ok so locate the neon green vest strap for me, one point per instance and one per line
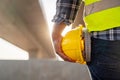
(103, 19)
(87, 2)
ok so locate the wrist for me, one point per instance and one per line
(57, 30)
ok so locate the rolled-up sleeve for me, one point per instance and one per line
(66, 11)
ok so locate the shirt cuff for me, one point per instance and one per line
(61, 18)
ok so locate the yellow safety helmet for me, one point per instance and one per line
(73, 45)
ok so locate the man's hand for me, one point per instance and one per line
(57, 38)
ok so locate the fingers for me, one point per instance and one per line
(65, 57)
(58, 48)
(57, 39)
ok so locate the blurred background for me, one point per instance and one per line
(25, 28)
(26, 49)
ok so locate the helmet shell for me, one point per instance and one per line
(73, 45)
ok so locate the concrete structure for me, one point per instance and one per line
(22, 23)
(42, 70)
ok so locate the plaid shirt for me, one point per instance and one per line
(66, 12)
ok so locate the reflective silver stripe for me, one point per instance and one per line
(87, 39)
(101, 5)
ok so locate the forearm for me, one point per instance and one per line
(57, 30)
(65, 15)
(57, 38)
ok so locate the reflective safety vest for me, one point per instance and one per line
(102, 14)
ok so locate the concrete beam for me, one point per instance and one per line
(42, 70)
(22, 23)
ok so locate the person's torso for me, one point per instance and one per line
(102, 18)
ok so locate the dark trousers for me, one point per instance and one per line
(105, 60)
